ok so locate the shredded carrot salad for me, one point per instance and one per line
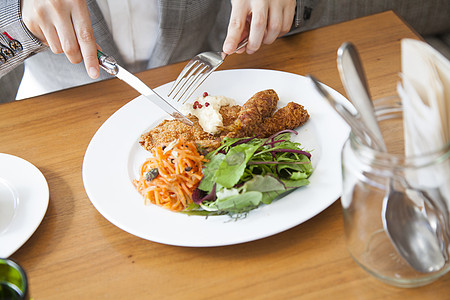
(170, 175)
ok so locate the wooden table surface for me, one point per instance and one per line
(77, 254)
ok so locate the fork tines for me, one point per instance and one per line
(190, 79)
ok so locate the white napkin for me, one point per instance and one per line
(425, 94)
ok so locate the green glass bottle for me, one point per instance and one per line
(13, 281)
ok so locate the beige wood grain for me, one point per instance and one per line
(77, 254)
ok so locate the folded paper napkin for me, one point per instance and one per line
(425, 93)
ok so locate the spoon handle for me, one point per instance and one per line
(355, 84)
(366, 136)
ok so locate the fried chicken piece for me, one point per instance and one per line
(291, 116)
(170, 130)
(260, 106)
(255, 118)
(229, 114)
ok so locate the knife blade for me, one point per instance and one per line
(109, 64)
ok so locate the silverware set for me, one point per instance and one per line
(422, 239)
(190, 78)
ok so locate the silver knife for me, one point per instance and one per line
(109, 64)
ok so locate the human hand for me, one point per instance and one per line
(65, 26)
(261, 20)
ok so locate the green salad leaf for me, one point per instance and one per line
(233, 166)
(244, 173)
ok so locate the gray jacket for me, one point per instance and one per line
(188, 27)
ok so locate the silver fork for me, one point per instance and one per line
(196, 71)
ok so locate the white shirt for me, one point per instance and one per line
(134, 26)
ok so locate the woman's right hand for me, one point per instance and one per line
(261, 20)
(65, 26)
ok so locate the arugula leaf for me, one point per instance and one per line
(240, 203)
(270, 187)
(234, 164)
(209, 173)
(264, 184)
(295, 171)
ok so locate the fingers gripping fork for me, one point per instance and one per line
(196, 72)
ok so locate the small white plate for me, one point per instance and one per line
(24, 197)
(114, 155)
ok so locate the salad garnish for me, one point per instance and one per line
(244, 173)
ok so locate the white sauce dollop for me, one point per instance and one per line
(207, 111)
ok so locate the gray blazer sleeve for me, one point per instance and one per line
(17, 42)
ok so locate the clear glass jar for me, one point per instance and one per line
(366, 176)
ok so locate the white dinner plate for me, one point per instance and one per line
(114, 155)
(24, 197)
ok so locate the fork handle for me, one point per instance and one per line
(241, 45)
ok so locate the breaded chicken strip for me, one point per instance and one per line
(260, 106)
(255, 118)
(170, 130)
(291, 116)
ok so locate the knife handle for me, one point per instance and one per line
(107, 63)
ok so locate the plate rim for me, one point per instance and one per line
(36, 208)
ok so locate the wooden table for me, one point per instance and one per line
(77, 254)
